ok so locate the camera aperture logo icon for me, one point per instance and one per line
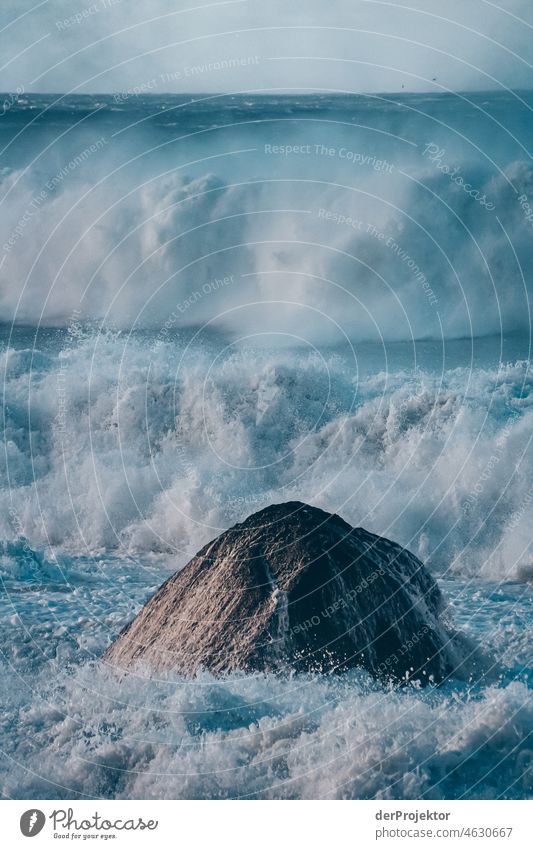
(32, 822)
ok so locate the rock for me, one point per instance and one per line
(293, 587)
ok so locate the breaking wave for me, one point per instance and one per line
(407, 218)
(121, 444)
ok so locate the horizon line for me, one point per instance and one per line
(261, 92)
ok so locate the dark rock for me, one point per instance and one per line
(294, 587)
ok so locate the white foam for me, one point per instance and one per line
(153, 455)
(264, 737)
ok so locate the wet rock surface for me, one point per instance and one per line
(294, 588)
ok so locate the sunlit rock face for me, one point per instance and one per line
(294, 588)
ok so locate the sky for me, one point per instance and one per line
(248, 45)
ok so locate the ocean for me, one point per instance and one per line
(217, 303)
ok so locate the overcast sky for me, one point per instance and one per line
(241, 45)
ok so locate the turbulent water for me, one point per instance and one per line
(210, 307)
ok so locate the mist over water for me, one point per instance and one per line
(213, 304)
(379, 217)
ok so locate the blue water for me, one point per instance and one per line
(183, 344)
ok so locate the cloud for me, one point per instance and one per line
(236, 45)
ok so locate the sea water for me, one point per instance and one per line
(196, 327)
